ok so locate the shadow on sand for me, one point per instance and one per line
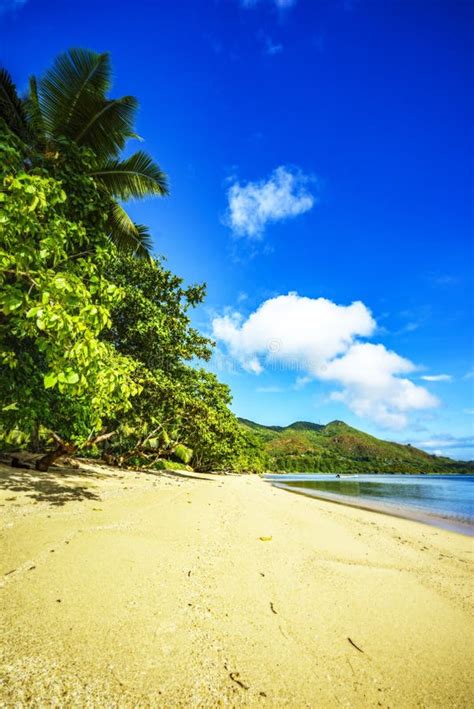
(57, 487)
(62, 484)
(178, 474)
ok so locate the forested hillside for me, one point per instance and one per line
(339, 448)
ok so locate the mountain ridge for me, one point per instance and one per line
(304, 446)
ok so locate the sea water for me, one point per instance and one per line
(444, 500)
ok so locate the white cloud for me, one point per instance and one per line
(253, 365)
(460, 447)
(304, 333)
(373, 387)
(447, 441)
(269, 390)
(252, 206)
(433, 442)
(319, 339)
(302, 382)
(437, 377)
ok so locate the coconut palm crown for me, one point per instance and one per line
(71, 102)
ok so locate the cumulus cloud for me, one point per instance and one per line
(373, 387)
(437, 377)
(284, 194)
(304, 333)
(320, 340)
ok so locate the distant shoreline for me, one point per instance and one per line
(352, 475)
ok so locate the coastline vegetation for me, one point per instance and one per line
(97, 349)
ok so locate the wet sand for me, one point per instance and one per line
(140, 589)
(385, 507)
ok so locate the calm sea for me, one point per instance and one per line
(444, 500)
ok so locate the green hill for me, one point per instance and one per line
(339, 448)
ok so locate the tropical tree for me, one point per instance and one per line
(60, 380)
(70, 104)
(96, 346)
(182, 410)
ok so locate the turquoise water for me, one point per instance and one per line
(443, 500)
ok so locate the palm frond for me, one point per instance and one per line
(145, 242)
(128, 236)
(109, 125)
(76, 78)
(33, 111)
(12, 108)
(134, 178)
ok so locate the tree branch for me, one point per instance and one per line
(99, 438)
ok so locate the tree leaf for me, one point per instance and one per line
(49, 380)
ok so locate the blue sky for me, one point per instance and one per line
(320, 155)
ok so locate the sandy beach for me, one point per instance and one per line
(140, 589)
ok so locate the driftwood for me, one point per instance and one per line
(63, 448)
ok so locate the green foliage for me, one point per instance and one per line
(163, 464)
(249, 454)
(182, 453)
(57, 372)
(180, 407)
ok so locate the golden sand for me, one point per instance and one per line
(139, 589)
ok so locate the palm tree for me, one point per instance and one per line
(71, 101)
